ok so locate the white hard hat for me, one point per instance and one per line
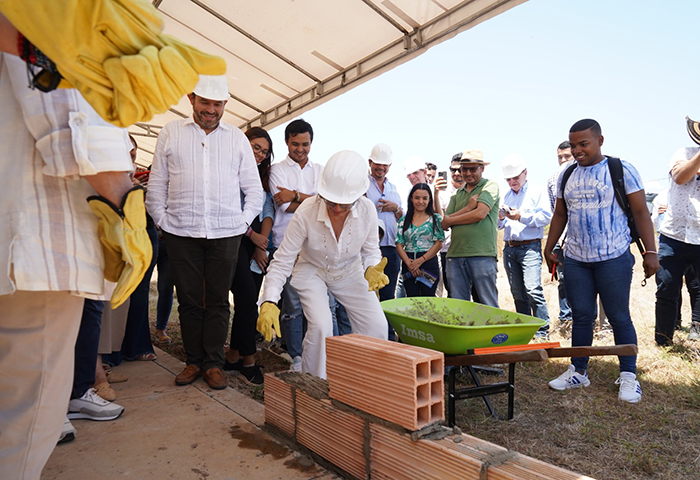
(212, 87)
(344, 178)
(413, 164)
(513, 165)
(381, 153)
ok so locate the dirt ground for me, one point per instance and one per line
(589, 431)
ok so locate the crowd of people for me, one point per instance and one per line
(215, 216)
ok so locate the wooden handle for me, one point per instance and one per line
(491, 358)
(592, 351)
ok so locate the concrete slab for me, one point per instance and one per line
(167, 431)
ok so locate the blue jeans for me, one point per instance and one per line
(674, 257)
(480, 272)
(165, 287)
(523, 266)
(564, 308)
(611, 279)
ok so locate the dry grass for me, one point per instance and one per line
(588, 431)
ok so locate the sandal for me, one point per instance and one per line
(163, 338)
(105, 391)
(146, 357)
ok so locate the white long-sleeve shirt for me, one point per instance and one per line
(287, 174)
(310, 236)
(48, 234)
(533, 203)
(196, 180)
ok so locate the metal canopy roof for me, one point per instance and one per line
(285, 57)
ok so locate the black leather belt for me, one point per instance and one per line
(521, 243)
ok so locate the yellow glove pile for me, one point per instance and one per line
(268, 319)
(114, 53)
(125, 243)
(375, 276)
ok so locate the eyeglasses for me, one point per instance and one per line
(471, 169)
(344, 206)
(455, 170)
(258, 149)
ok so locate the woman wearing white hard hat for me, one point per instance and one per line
(335, 237)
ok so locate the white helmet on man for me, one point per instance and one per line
(212, 87)
(344, 178)
(513, 165)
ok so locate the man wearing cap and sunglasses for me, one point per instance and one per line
(200, 168)
(473, 215)
(523, 217)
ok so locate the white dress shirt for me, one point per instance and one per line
(48, 234)
(535, 214)
(288, 174)
(196, 181)
(310, 237)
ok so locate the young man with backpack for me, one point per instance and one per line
(598, 256)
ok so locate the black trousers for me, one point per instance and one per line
(202, 270)
(245, 289)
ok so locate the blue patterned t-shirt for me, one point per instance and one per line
(597, 226)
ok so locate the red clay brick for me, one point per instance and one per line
(335, 435)
(399, 383)
(279, 404)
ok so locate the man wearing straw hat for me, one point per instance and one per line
(473, 215)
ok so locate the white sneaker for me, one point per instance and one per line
(296, 365)
(93, 407)
(67, 433)
(570, 379)
(630, 390)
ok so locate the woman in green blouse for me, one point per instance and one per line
(418, 240)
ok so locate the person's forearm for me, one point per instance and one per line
(642, 219)
(556, 228)
(111, 185)
(433, 250)
(266, 227)
(468, 218)
(402, 253)
(683, 172)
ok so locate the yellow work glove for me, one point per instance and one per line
(114, 53)
(125, 243)
(375, 276)
(268, 319)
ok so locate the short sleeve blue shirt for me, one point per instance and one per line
(597, 226)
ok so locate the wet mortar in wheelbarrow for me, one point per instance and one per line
(456, 326)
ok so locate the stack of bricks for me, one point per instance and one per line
(361, 420)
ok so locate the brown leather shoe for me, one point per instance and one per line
(188, 375)
(216, 378)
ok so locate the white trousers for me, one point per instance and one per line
(350, 288)
(37, 344)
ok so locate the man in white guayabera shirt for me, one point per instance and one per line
(200, 167)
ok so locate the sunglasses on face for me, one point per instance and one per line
(455, 170)
(471, 169)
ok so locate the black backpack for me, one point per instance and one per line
(618, 179)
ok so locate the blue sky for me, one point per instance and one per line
(516, 83)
